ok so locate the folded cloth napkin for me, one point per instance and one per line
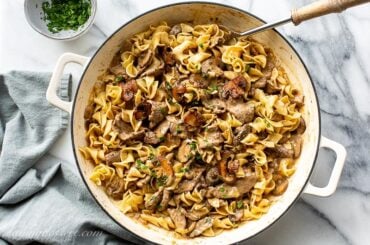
(42, 199)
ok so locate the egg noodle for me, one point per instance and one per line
(193, 131)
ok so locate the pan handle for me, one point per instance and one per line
(330, 188)
(51, 93)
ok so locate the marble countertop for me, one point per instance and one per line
(336, 51)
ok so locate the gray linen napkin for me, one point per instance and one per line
(42, 199)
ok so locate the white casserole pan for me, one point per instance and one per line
(236, 19)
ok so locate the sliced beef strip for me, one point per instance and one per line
(217, 105)
(245, 184)
(132, 136)
(154, 200)
(188, 185)
(234, 88)
(114, 156)
(158, 113)
(168, 56)
(240, 133)
(115, 188)
(201, 226)
(198, 81)
(151, 138)
(178, 217)
(165, 199)
(242, 111)
(211, 67)
(281, 151)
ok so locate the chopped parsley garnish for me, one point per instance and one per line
(161, 139)
(151, 156)
(201, 45)
(247, 66)
(184, 170)
(118, 79)
(66, 14)
(153, 173)
(240, 204)
(222, 189)
(168, 86)
(212, 88)
(198, 157)
(193, 145)
(178, 130)
(161, 181)
(140, 165)
(163, 110)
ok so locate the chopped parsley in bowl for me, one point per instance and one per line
(60, 19)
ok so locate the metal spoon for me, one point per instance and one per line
(310, 11)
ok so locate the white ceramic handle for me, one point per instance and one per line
(51, 93)
(330, 188)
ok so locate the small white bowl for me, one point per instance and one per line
(35, 17)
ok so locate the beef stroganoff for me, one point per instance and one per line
(192, 131)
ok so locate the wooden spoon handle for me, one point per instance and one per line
(322, 7)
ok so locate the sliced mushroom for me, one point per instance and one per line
(184, 152)
(168, 56)
(281, 187)
(166, 166)
(302, 126)
(144, 59)
(155, 68)
(176, 29)
(210, 67)
(298, 98)
(129, 90)
(142, 110)
(242, 111)
(178, 217)
(233, 166)
(178, 92)
(114, 156)
(201, 226)
(296, 142)
(193, 118)
(237, 215)
(234, 88)
(212, 176)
